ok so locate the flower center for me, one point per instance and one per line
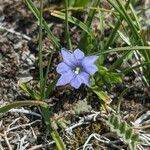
(77, 70)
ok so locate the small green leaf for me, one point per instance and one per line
(116, 122)
(128, 134)
(109, 77)
(123, 127)
(135, 137)
(111, 118)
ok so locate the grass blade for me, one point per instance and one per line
(112, 36)
(67, 26)
(73, 20)
(7, 107)
(36, 13)
(119, 49)
(88, 22)
(40, 49)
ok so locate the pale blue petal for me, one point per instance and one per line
(62, 68)
(68, 58)
(91, 69)
(88, 64)
(78, 54)
(65, 78)
(90, 60)
(76, 82)
(85, 77)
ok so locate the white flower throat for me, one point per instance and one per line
(77, 70)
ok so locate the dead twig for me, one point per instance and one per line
(24, 111)
(102, 140)
(37, 147)
(23, 125)
(7, 141)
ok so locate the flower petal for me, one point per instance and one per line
(68, 58)
(88, 64)
(85, 77)
(62, 68)
(90, 59)
(91, 69)
(65, 78)
(78, 54)
(76, 82)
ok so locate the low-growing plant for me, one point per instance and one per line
(123, 130)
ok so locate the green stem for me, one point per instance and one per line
(40, 47)
(46, 77)
(67, 26)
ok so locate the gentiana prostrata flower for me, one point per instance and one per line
(76, 68)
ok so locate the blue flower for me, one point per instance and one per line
(75, 68)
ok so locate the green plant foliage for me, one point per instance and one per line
(78, 3)
(28, 91)
(50, 88)
(102, 78)
(103, 97)
(73, 20)
(90, 43)
(36, 12)
(123, 130)
(134, 30)
(105, 77)
(84, 40)
(7, 107)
